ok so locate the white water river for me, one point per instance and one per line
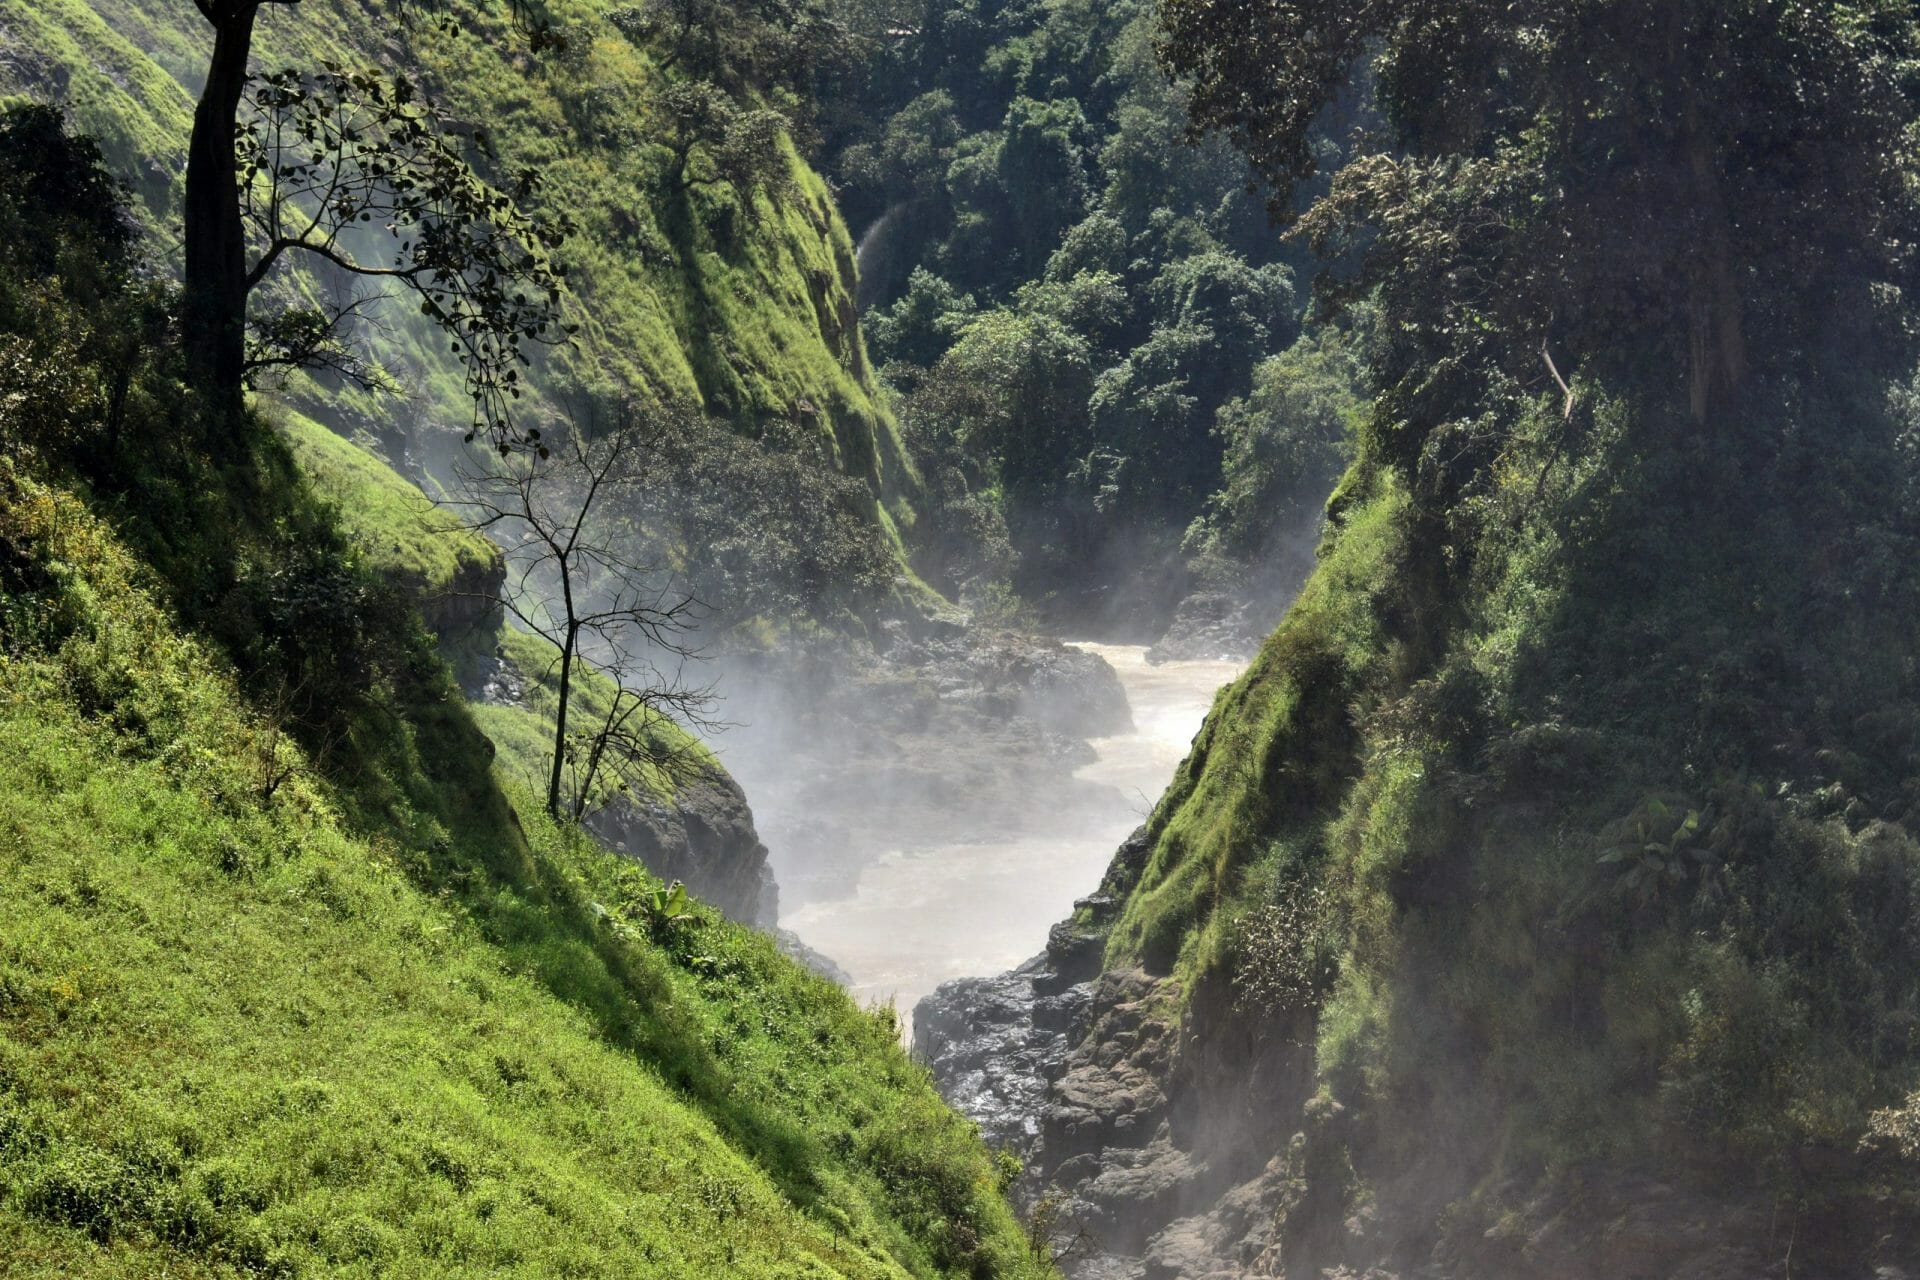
(977, 906)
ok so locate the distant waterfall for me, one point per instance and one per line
(873, 253)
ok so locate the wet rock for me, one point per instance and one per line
(1216, 625)
(1123, 871)
(793, 948)
(1073, 955)
(1110, 1092)
(1185, 1251)
(1138, 1186)
(995, 1043)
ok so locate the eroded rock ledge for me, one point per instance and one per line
(849, 755)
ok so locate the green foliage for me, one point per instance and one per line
(323, 151)
(1033, 194)
(667, 906)
(682, 298)
(1286, 720)
(1659, 845)
(422, 1049)
(744, 148)
(522, 734)
(1457, 805)
(77, 325)
(1504, 212)
(292, 981)
(1284, 444)
(745, 47)
(921, 324)
(769, 529)
(402, 534)
(61, 209)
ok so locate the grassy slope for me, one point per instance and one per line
(424, 548)
(682, 297)
(404, 534)
(524, 734)
(390, 1029)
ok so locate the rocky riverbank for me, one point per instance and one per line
(1198, 1147)
(1074, 1069)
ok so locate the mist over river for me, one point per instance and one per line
(982, 899)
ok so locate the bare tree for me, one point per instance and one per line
(572, 581)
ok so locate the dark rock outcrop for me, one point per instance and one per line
(793, 948)
(995, 1045)
(1090, 1077)
(467, 604)
(1212, 625)
(1003, 674)
(704, 838)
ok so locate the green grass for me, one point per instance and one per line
(405, 536)
(114, 91)
(523, 734)
(426, 550)
(1273, 752)
(385, 1020)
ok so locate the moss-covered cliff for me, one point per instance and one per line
(1541, 900)
(739, 303)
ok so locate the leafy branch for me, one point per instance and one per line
(327, 159)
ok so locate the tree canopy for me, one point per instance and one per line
(1691, 191)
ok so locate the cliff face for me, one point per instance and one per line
(704, 837)
(1537, 904)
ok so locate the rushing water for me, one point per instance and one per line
(924, 915)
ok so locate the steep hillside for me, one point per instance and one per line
(739, 303)
(256, 1020)
(295, 976)
(694, 826)
(1541, 902)
(1554, 919)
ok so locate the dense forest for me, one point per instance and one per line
(1093, 330)
(1541, 901)
(425, 425)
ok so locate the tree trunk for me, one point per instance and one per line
(1717, 342)
(560, 722)
(214, 308)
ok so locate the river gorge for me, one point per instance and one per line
(980, 899)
